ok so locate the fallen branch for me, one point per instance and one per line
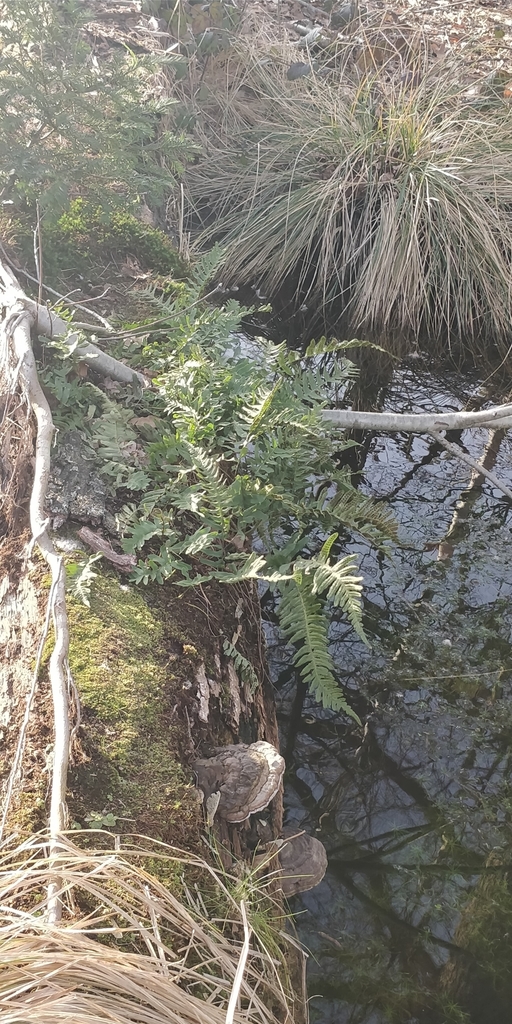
(18, 352)
(52, 326)
(71, 302)
(125, 563)
(476, 465)
(419, 423)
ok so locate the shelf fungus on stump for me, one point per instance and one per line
(302, 862)
(239, 780)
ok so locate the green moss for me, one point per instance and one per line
(131, 775)
(87, 239)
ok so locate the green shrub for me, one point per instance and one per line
(86, 237)
(72, 123)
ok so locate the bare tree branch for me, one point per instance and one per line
(419, 423)
(477, 465)
(18, 350)
(52, 326)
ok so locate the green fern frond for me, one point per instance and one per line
(256, 414)
(304, 625)
(81, 576)
(216, 488)
(341, 586)
(323, 347)
(164, 304)
(368, 517)
(242, 665)
(204, 270)
(248, 570)
(325, 550)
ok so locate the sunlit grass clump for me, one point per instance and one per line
(385, 198)
(129, 949)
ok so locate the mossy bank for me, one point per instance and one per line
(129, 677)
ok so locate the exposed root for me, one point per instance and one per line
(17, 345)
(52, 326)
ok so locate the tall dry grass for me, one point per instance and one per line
(128, 950)
(384, 194)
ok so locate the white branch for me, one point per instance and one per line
(20, 336)
(52, 326)
(18, 351)
(419, 423)
(476, 465)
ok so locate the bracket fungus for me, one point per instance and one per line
(239, 780)
(302, 862)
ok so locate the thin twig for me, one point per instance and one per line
(146, 328)
(38, 255)
(71, 302)
(470, 461)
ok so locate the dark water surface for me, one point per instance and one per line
(416, 812)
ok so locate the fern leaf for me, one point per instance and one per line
(325, 550)
(343, 588)
(216, 488)
(368, 517)
(304, 625)
(81, 577)
(257, 414)
(323, 347)
(242, 665)
(205, 269)
(249, 570)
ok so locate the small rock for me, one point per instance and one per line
(298, 70)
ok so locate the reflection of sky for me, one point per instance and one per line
(435, 776)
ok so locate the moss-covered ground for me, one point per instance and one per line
(130, 675)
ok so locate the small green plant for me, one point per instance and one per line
(80, 576)
(242, 665)
(232, 453)
(69, 122)
(86, 237)
(101, 819)
(245, 456)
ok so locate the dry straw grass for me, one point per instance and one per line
(128, 950)
(385, 193)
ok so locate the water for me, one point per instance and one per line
(412, 809)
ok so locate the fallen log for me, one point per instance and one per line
(421, 422)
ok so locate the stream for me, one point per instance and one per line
(416, 810)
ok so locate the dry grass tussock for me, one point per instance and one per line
(383, 192)
(128, 950)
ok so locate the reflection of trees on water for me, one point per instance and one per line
(411, 809)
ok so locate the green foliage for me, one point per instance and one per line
(245, 456)
(383, 197)
(69, 121)
(80, 577)
(242, 665)
(87, 237)
(202, 29)
(304, 625)
(232, 450)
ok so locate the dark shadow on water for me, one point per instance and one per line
(413, 922)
